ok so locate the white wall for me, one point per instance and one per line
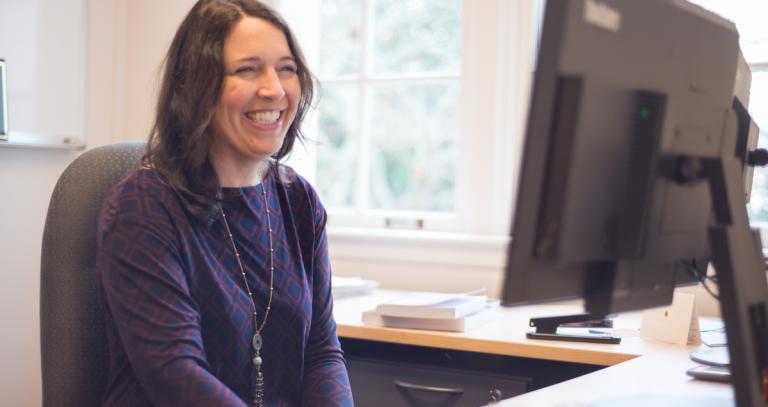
(147, 28)
(27, 178)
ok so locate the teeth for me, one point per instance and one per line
(263, 117)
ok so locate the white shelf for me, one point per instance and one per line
(42, 141)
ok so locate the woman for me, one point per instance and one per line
(212, 260)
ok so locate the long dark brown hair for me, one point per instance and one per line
(193, 76)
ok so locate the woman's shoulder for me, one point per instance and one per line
(140, 180)
(142, 188)
(292, 179)
(141, 199)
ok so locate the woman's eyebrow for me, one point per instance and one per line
(256, 59)
(249, 59)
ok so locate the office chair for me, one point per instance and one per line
(73, 338)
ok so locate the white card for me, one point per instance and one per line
(677, 323)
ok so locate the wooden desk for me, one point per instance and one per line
(636, 367)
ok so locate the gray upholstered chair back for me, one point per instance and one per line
(72, 334)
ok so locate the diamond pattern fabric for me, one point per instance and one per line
(178, 316)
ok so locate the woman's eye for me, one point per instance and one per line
(288, 68)
(245, 69)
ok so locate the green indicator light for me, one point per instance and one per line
(645, 113)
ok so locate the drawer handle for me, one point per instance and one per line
(443, 390)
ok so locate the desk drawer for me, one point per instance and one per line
(387, 384)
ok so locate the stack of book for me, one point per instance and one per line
(433, 311)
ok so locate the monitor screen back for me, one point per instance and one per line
(587, 170)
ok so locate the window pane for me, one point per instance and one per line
(749, 17)
(337, 150)
(416, 36)
(341, 33)
(758, 106)
(413, 146)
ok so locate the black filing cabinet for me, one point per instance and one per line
(380, 383)
(394, 375)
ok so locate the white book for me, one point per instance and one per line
(462, 324)
(432, 305)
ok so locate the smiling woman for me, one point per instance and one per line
(213, 259)
(198, 78)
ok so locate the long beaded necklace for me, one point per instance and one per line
(258, 389)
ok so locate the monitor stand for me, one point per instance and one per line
(546, 328)
(714, 364)
(738, 261)
(716, 356)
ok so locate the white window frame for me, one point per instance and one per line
(497, 44)
(762, 226)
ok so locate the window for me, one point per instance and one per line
(420, 112)
(748, 15)
(388, 120)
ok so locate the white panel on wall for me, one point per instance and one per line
(43, 43)
(149, 27)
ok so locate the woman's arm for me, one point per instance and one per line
(148, 298)
(325, 377)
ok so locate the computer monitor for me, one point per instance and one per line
(632, 169)
(618, 85)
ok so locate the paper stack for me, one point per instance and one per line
(343, 287)
(434, 311)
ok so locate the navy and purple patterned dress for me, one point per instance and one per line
(178, 317)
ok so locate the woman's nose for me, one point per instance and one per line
(269, 86)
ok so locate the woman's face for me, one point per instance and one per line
(259, 96)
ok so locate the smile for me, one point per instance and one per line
(264, 116)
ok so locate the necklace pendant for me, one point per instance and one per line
(258, 390)
(257, 342)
